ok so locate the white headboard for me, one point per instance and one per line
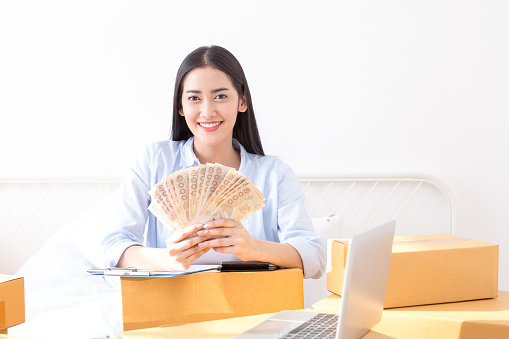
(418, 205)
(32, 211)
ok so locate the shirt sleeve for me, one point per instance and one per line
(294, 225)
(128, 227)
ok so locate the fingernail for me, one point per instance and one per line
(200, 232)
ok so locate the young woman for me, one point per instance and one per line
(214, 122)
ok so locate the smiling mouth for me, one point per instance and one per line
(210, 124)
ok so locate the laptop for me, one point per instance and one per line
(362, 297)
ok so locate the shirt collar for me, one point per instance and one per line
(189, 159)
(245, 161)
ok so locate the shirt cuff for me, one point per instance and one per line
(313, 256)
(115, 251)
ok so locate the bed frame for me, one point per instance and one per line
(31, 212)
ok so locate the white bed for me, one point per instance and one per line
(49, 234)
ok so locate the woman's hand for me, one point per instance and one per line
(180, 253)
(235, 239)
(183, 251)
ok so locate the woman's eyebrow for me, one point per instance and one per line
(219, 90)
(212, 91)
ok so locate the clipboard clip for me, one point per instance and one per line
(120, 271)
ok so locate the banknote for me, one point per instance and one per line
(202, 172)
(193, 188)
(181, 186)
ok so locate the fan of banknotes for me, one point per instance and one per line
(199, 194)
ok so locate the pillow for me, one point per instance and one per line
(87, 231)
(60, 297)
(329, 227)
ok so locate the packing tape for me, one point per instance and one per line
(3, 321)
(430, 241)
(418, 242)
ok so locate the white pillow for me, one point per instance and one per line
(329, 227)
(87, 231)
(60, 297)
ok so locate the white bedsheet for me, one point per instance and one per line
(61, 299)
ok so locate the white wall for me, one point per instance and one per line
(340, 88)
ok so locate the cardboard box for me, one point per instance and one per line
(428, 269)
(211, 295)
(217, 329)
(486, 318)
(12, 302)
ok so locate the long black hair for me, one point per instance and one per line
(245, 129)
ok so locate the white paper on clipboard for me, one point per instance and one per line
(135, 272)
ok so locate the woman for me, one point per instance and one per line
(214, 122)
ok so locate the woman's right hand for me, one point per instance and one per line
(183, 251)
(179, 254)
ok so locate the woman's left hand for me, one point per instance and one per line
(236, 240)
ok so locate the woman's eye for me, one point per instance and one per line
(221, 96)
(193, 98)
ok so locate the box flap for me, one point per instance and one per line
(12, 301)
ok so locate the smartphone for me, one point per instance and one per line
(245, 266)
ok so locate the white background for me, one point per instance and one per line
(340, 88)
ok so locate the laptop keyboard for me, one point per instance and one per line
(322, 325)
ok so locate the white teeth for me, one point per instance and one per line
(209, 125)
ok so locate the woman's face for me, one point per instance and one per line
(210, 105)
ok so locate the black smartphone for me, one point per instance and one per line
(245, 266)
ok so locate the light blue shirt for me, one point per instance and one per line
(283, 219)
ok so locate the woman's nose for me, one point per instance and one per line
(207, 109)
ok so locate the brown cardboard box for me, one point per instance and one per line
(211, 295)
(217, 329)
(12, 301)
(486, 318)
(428, 269)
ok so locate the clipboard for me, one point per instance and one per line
(137, 272)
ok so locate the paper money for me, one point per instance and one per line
(204, 193)
(193, 189)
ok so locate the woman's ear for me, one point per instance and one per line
(242, 104)
(181, 111)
